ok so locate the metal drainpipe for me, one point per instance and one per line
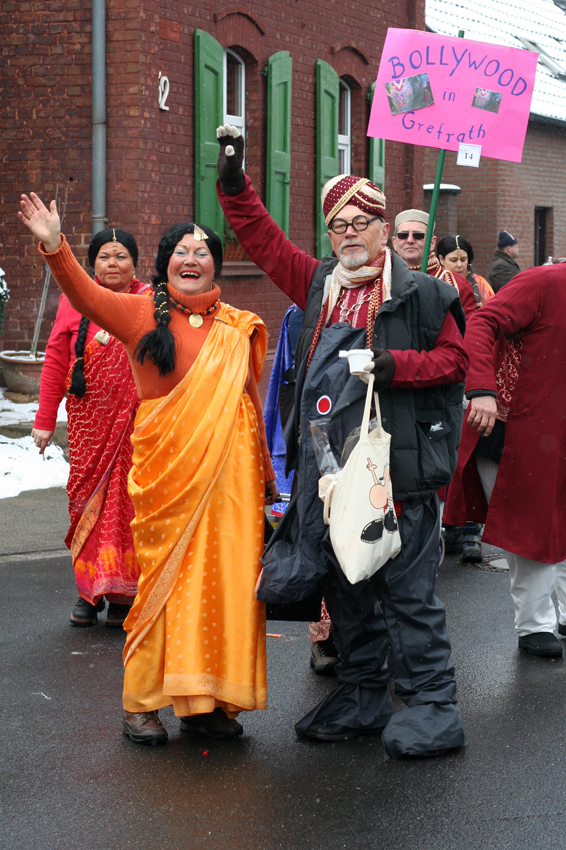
(98, 115)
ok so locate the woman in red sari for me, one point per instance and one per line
(92, 367)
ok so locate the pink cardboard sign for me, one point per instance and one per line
(439, 91)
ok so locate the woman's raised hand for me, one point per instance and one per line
(44, 223)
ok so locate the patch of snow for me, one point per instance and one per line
(12, 413)
(23, 468)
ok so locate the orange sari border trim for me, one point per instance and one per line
(205, 685)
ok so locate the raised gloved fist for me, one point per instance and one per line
(230, 159)
(383, 368)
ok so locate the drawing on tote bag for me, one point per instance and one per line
(381, 498)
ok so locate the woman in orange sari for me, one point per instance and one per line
(195, 634)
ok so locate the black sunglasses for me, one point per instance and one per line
(418, 236)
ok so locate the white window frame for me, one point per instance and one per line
(238, 121)
(345, 140)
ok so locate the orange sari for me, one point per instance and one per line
(196, 634)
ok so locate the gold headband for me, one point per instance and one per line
(199, 234)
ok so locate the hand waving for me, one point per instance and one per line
(44, 223)
(230, 159)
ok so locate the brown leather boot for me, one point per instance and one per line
(144, 727)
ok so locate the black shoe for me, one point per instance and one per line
(471, 546)
(144, 727)
(84, 614)
(562, 629)
(541, 643)
(215, 724)
(116, 614)
(431, 754)
(324, 657)
(453, 539)
(335, 732)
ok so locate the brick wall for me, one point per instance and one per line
(503, 195)
(45, 68)
(45, 76)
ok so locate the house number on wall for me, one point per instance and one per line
(163, 92)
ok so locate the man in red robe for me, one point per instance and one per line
(514, 477)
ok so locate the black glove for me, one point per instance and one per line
(384, 368)
(229, 165)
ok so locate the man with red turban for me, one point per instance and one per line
(365, 296)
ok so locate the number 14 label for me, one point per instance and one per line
(469, 155)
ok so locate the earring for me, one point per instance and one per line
(133, 275)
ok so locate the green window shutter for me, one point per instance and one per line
(327, 102)
(209, 82)
(278, 159)
(377, 157)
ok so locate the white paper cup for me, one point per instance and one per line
(357, 359)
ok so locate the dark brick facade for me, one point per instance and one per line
(45, 134)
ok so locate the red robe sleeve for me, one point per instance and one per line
(290, 268)
(514, 307)
(447, 363)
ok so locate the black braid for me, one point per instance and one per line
(78, 385)
(159, 345)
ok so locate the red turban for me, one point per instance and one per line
(348, 189)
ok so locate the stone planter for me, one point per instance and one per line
(21, 371)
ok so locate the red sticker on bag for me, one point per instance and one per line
(324, 405)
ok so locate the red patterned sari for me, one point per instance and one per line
(99, 426)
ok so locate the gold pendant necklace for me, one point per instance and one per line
(196, 320)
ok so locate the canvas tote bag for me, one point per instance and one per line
(358, 502)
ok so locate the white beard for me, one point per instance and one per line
(353, 261)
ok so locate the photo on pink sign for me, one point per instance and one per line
(486, 99)
(410, 93)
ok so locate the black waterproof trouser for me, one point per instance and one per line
(407, 623)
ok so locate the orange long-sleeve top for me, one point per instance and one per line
(129, 318)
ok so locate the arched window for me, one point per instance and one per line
(345, 129)
(235, 91)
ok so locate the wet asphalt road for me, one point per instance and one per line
(69, 779)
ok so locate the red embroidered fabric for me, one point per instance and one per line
(100, 425)
(508, 374)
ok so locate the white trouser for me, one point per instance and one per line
(532, 582)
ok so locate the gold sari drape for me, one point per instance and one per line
(195, 634)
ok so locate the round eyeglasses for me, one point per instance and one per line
(359, 223)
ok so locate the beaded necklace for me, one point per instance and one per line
(195, 318)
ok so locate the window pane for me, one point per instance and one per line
(233, 86)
